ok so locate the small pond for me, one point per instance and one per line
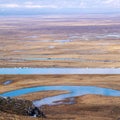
(7, 82)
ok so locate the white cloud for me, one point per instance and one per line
(9, 5)
(112, 3)
(83, 5)
(26, 5)
(38, 6)
(108, 1)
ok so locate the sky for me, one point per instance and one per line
(57, 6)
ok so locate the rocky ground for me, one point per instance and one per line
(88, 107)
(19, 107)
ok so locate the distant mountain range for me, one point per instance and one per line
(44, 11)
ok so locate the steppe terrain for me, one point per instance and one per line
(58, 41)
(92, 107)
(73, 41)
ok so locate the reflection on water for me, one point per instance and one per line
(59, 70)
(93, 36)
(7, 82)
(64, 59)
(73, 91)
(63, 41)
(33, 36)
(74, 59)
(110, 35)
(51, 47)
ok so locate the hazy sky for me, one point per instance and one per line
(98, 5)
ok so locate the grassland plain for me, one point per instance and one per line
(93, 107)
(81, 41)
(74, 41)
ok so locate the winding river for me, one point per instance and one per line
(73, 91)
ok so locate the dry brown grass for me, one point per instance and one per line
(18, 45)
(21, 81)
(7, 116)
(92, 107)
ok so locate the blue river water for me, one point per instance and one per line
(59, 70)
(73, 91)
